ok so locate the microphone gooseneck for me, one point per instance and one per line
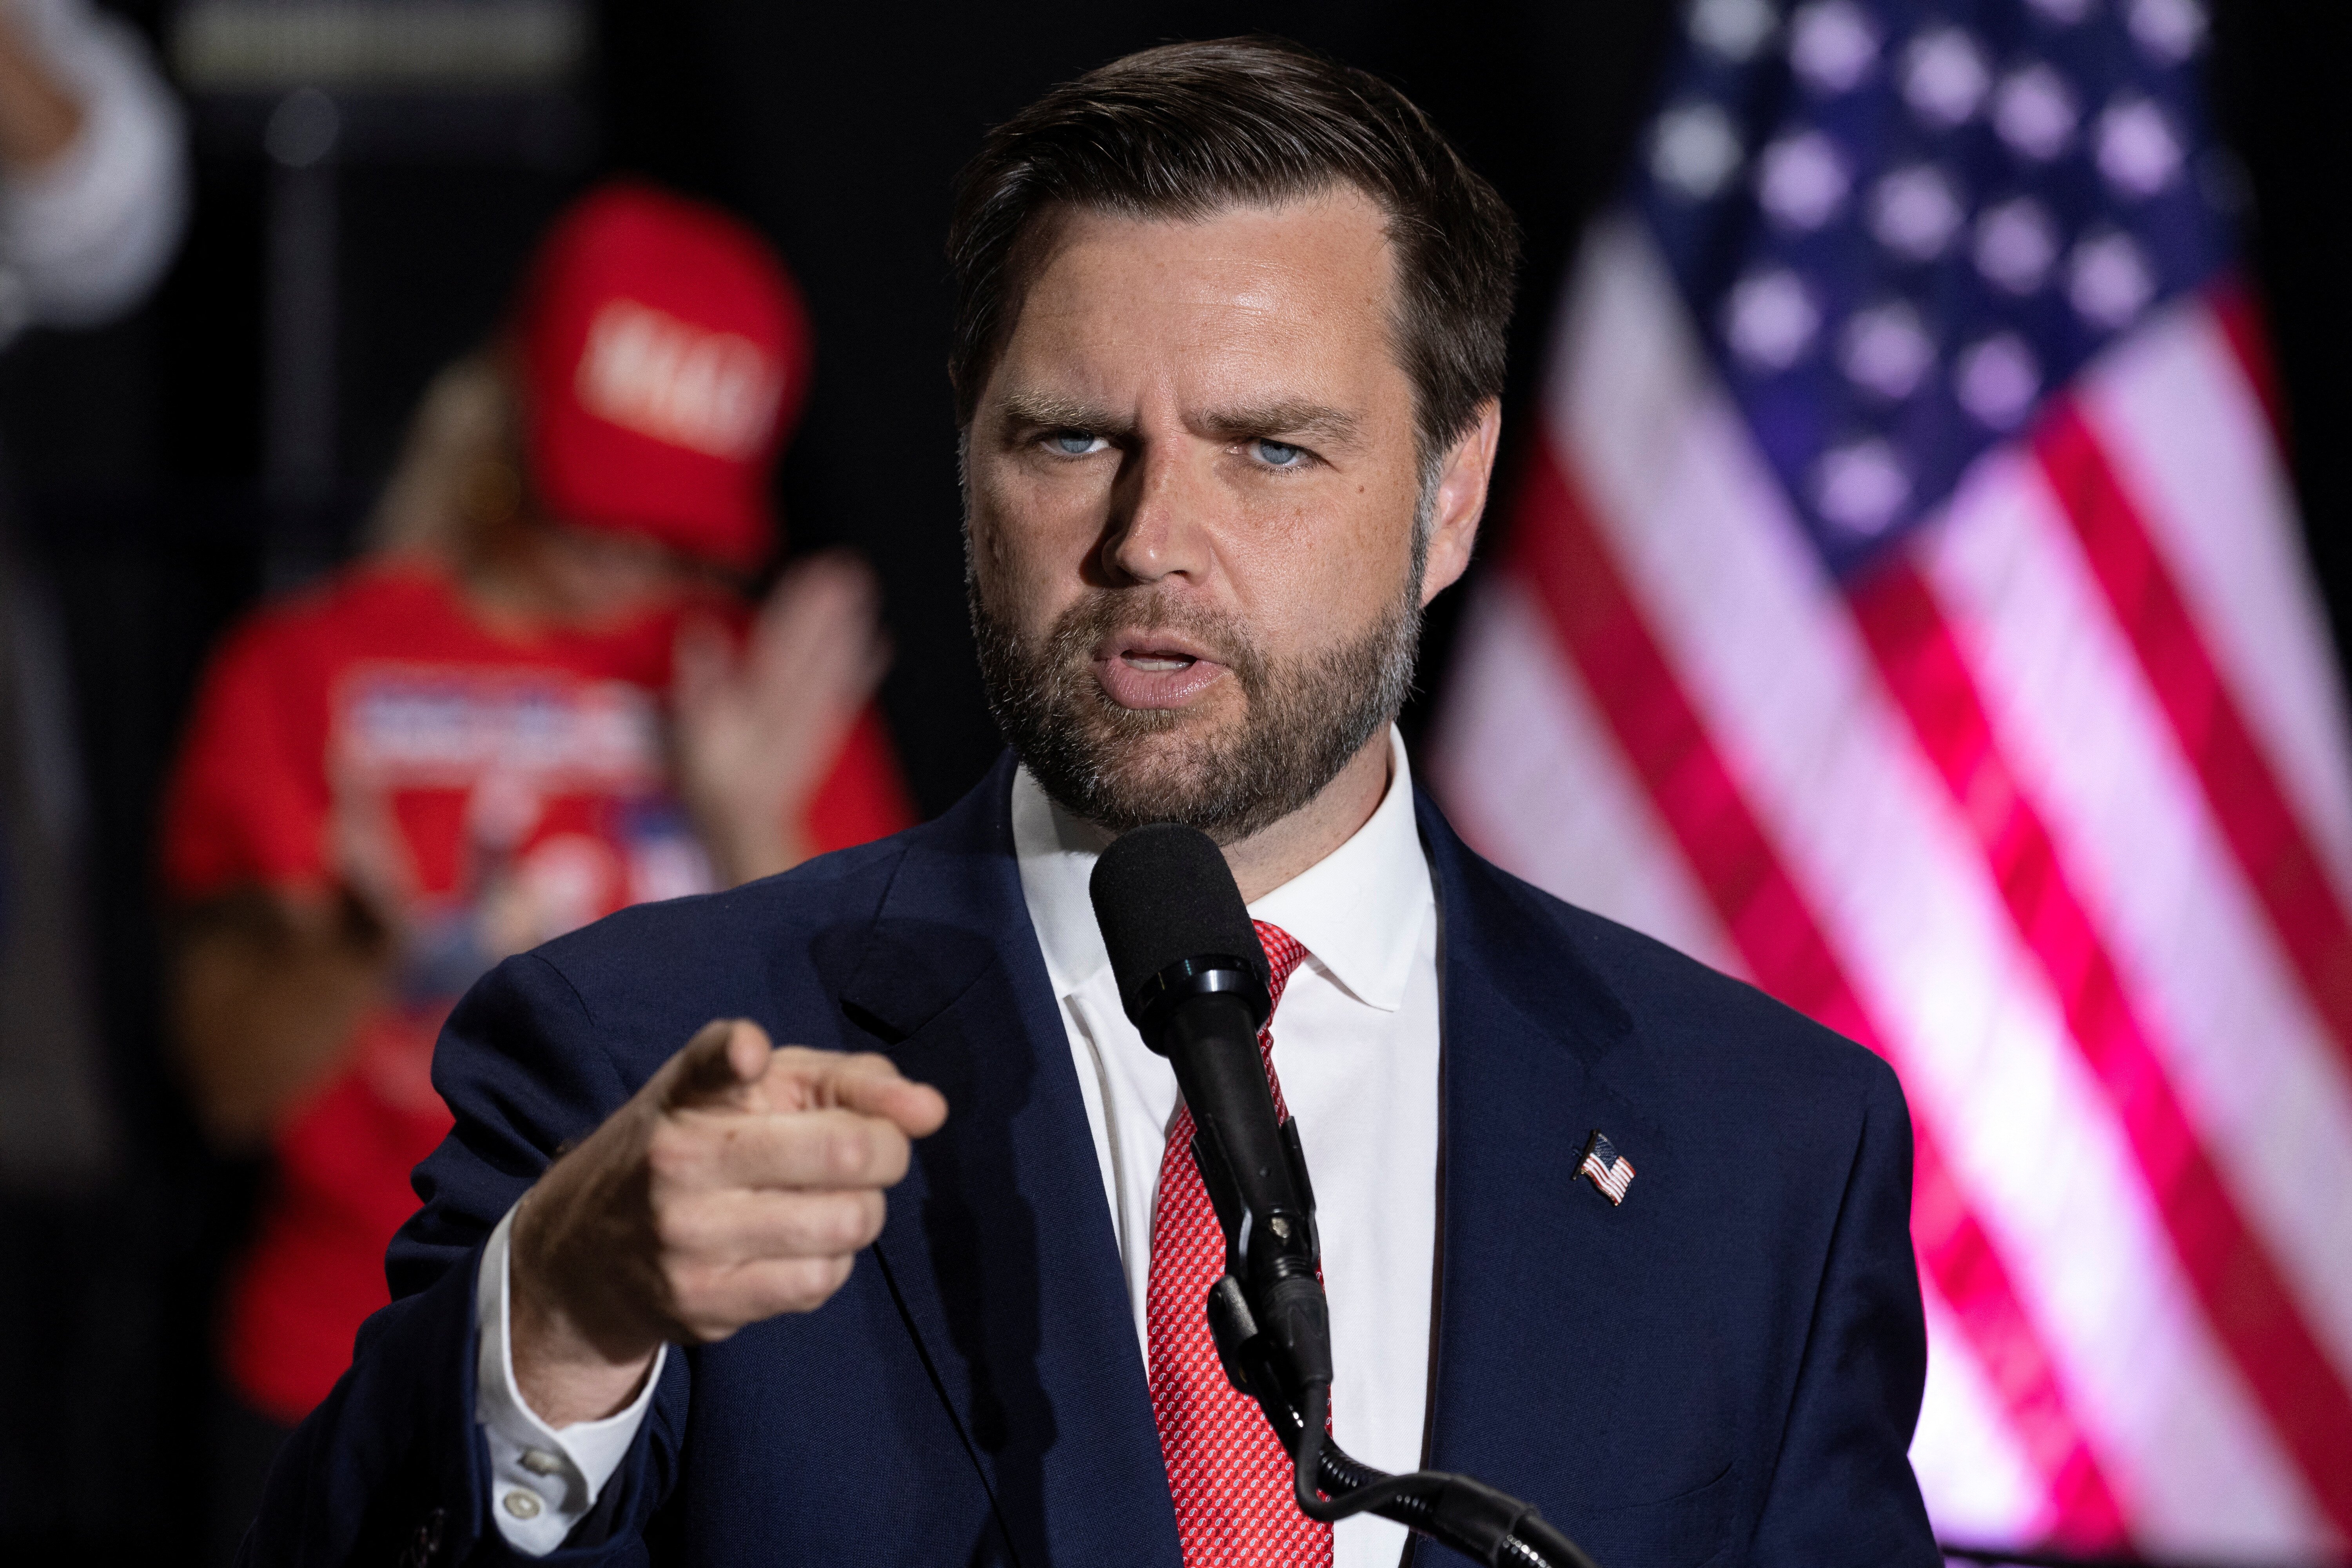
(1194, 979)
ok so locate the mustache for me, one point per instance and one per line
(1303, 715)
(1079, 629)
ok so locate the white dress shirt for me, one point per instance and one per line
(1356, 1048)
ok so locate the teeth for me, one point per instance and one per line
(1151, 662)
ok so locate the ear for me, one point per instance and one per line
(1462, 487)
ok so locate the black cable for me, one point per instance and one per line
(1357, 1495)
(1460, 1513)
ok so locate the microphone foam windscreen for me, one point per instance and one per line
(1163, 894)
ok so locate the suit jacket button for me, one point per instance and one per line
(522, 1504)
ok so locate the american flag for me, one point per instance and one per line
(1904, 608)
(1606, 1169)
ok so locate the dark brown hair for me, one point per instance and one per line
(1186, 130)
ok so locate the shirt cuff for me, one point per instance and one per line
(544, 1479)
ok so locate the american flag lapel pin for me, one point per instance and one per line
(1609, 1171)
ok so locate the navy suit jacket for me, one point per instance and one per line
(1726, 1370)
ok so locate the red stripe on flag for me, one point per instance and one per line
(2252, 1310)
(1557, 551)
(2243, 793)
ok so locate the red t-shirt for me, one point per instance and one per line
(372, 731)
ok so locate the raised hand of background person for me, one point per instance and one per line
(741, 1181)
(758, 728)
(39, 114)
(93, 149)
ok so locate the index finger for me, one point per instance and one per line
(872, 1084)
(725, 1056)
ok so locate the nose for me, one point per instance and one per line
(1159, 510)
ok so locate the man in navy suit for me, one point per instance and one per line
(915, 1289)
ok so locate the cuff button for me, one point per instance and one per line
(522, 1504)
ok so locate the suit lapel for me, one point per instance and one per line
(1535, 1047)
(999, 1248)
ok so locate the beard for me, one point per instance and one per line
(1302, 719)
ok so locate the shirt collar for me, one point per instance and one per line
(1358, 909)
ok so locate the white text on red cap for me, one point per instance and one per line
(647, 371)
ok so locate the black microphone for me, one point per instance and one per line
(1192, 976)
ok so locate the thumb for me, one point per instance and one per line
(725, 1057)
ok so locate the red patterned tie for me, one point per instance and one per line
(1230, 1478)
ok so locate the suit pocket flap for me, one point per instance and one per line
(1680, 1531)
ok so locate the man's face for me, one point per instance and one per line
(1191, 489)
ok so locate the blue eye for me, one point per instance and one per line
(1073, 442)
(1277, 455)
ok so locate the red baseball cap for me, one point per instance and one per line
(663, 352)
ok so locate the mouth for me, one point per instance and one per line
(1155, 670)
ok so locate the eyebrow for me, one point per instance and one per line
(1027, 410)
(1037, 410)
(1288, 417)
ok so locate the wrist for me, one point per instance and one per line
(571, 1363)
(564, 1376)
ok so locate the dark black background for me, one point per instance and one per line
(132, 457)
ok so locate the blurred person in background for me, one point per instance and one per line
(94, 198)
(539, 699)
